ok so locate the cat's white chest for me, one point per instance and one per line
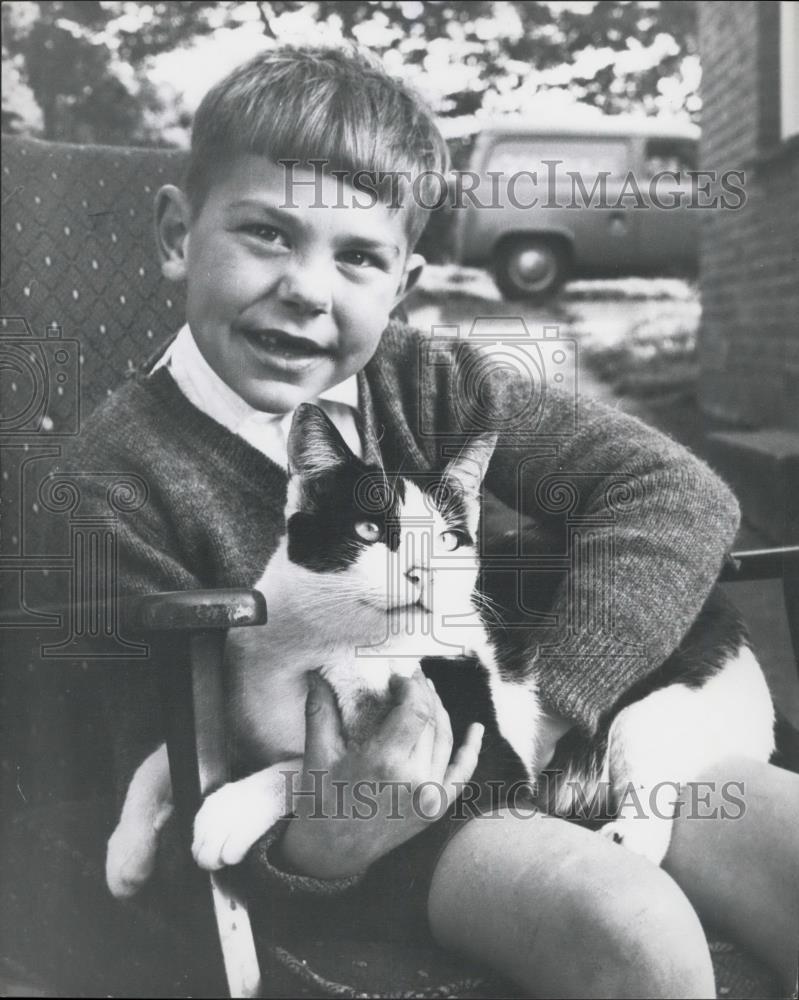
(267, 692)
(308, 630)
(268, 668)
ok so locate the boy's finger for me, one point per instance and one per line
(422, 751)
(324, 738)
(413, 710)
(404, 688)
(442, 746)
(425, 750)
(464, 762)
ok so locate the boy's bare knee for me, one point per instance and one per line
(564, 913)
(648, 942)
(626, 933)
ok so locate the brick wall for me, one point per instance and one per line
(749, 343)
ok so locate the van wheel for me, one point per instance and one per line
(530, 268)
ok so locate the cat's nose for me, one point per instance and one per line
(414, 575)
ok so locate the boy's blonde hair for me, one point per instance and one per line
(337, 105)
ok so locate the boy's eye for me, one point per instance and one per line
(451, 540)
(368, 530)
(264, 232)
(360, 258)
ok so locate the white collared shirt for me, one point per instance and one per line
(268, 432)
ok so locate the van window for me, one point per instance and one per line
(677, 155)
(587, 155)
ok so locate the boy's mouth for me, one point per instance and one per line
(282, 355)
(280, 345)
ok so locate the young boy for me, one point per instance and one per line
(290, 285)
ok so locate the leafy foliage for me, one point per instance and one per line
(85, 63)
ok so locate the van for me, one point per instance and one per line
(539, 203)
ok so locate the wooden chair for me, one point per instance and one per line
(80, 277)
(79, 264)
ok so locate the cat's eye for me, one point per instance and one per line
(451, 540)
(367, 530)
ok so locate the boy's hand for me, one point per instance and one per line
(367, 798)
(550, 728)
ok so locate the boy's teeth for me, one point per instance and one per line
(279, 345)
(273, 343)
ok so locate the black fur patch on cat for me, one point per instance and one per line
(462, 685)
(322, 536)
(716, 636)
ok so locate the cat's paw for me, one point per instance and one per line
(229, 822)
(130, 858)
(649, 836)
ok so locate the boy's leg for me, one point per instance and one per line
(566, 913)
(742, 872)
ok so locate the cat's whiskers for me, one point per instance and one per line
(353, 597)
(345, 588)
(490, 607)
(351, 602)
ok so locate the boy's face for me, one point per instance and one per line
(284, 302)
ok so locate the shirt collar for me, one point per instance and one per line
(217, 395)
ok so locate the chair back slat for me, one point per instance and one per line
(79, 253)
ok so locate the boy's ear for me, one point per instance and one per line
(172, 218)
(410, 276)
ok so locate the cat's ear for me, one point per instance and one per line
(315, 445)
(469, 467)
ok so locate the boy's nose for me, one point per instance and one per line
(306, 288)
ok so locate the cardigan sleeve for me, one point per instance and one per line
(146, 559)
(272, 874)
(625, 528)
(644, 527)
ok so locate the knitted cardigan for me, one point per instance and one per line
(214, 511)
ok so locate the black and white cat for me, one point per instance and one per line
(374, 574)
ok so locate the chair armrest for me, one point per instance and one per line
(771, 564)
(192, 627)
(188, 610)
(761, 564)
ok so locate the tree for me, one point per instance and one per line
(82, 61)
(86, 62)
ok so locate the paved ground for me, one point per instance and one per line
(606, 313)
(595, 314)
